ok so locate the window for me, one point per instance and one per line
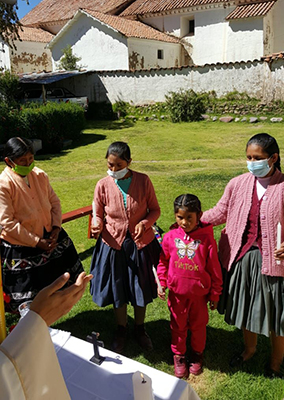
(191, 27)
(160, 54)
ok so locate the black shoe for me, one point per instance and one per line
(142, 337)
(270, 373)
(236, 361)
(119, 339)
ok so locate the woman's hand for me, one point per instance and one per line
(51, 303)
(279, 253)
(96, 231)
(54, 233)
(46, 244)
(162, 295)
(138, 231)
(213, 305)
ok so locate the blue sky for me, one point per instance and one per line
(24, 8)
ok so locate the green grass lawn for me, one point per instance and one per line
(197, 158)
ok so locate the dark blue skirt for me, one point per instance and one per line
(124, 276)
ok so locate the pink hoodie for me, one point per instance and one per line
(189, 263)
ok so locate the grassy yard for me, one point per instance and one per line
(198, 158)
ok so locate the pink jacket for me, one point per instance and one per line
(25, 211)
(142, 206)
(189, 264)
(233, 209)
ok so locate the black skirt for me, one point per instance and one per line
(125, 275)
(27, 270)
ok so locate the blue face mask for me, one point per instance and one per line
(259, 168)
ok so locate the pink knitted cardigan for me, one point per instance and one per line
(233, 209)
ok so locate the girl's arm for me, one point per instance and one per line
(163, 266)
(213, 267)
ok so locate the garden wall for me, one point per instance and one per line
(258, 79)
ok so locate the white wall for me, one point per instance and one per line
(30, 57)
(100, 47)
(4, 56)
(144, 53)
(215, 39)
(277, 26)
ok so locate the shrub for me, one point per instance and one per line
(120, 108)
(186, 105)
(52, 123)
(9, 88)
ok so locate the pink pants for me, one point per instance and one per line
(188, 314)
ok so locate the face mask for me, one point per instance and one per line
(23, 170)
(118, 174)
(259, 168)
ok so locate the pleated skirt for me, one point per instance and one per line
(251, 299)
(124, 276)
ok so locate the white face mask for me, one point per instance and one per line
(118, 174)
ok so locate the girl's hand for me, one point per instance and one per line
(213, 305)
(162, 296)
(96, 231)
(139, 230)
(279, 253)
(46, 244)
(54, 234)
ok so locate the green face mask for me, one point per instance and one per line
(23, 170)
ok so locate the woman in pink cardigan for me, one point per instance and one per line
(252, 206)
(35, 250)
(126, 249)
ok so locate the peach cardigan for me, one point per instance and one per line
(142, 206)
(25, 211)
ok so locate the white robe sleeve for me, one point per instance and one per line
(29, 368)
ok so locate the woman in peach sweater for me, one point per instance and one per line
(35, 250)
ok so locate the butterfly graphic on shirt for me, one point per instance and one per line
(186, 249)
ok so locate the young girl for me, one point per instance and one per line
(35, 250)
(252, 206)
(126, 208)
(189, 267)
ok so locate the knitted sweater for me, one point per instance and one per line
(25, 211)
(233, 209)
(142, 206)
(189, 263)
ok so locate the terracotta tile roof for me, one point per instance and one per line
(131, 28)
(28, 34)
(57, 10)
(251, 10)
(152, 6)
(273, 56)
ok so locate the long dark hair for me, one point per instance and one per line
(17, 147)
(120, 149)
(268, 145)
(189, 202)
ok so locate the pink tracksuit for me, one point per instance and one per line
(190, 268)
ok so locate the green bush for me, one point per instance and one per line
(52, 123)
(120, 108)
(186, 105)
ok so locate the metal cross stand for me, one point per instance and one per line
(96, 359)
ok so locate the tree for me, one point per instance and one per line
(9, 22)
(9, 88)
(69, 60)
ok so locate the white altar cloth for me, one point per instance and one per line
(112, 380)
